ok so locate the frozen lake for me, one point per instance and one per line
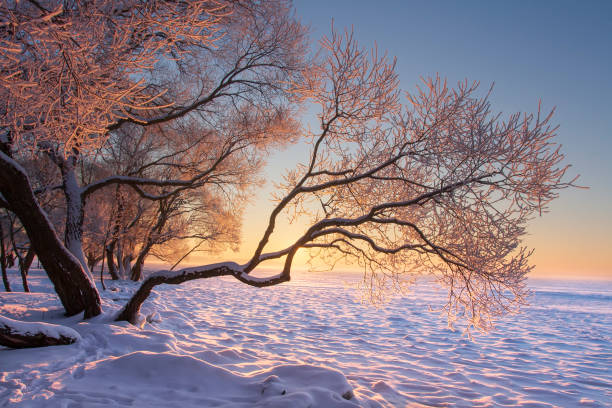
(558, 352)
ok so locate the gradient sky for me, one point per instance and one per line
(559, 52)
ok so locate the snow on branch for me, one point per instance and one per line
(65, 88)
(19, 334)
(439, 186)
(132, 308)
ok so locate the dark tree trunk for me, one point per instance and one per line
(74, 288)
(132, 308)
(136, 273)
(24, 261)
(27, 262)
(110, 254)
(102, 268)
(3, 261)
(162, 218)
(92, 260)
(7, 285)
(24, 267)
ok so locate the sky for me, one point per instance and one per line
(557, 52)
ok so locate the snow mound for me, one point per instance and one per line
(62, 334)
(146, 379)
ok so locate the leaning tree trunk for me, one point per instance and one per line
(164, 211)
(132, 308)
(136, 273)
(76, 291)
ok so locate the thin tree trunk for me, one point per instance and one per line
(7, 285)
(104, 252)
(194, 248)
(110, 251)
(162, 218)
(24, 267)
(3, 261)
(23, 262)
(75, 289)
(102, 268)
(136, 274)
(29, 258)
(91, 262)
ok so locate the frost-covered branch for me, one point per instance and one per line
(132, 308)
(439, 186)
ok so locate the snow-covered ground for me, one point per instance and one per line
(312, 343)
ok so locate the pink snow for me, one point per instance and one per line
(308, 343)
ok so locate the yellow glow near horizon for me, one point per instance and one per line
(555, 255)
(561, 251)
(568, 241)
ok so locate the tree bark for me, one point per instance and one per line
(132, 308)
(24, 262)
(73, 232)
(136, 273)
(92, 260)
(24, 267)
(3, 261)
(27, 262)
(162, 218)
(75, 289)
(126, 264)
(7, 285)
(110, 251)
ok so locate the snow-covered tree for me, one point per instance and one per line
(436, 185)
(76, 72)
(439, 187)
(156, 218)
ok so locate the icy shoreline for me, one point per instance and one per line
(220, 343)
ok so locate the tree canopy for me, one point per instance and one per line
(164, 110)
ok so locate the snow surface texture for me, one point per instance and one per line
(220, 343)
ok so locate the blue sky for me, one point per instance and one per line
(559, 52)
